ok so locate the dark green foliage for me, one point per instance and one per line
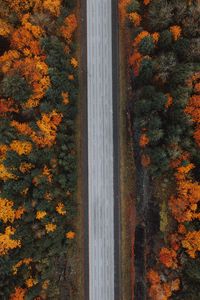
(133, 6)
(147, 46)
(69, 5)
(190, 281)
(181, 49)
(159, 160)
(165, 67)
(165, 40)
(145, 72)
(160, 15)
(165, 90)
(16, 88)
(192, 270)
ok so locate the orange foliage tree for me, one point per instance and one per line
(168, 258)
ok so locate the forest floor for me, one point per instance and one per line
(127, 179)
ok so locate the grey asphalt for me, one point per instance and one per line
(100, 150)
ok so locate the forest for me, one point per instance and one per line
(163, 58)
(39, 103)
(38, 155)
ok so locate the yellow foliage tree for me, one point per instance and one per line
(6, 242)
(5, 28)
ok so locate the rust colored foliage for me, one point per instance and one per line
(135, 18)
(175, 241)
(144, 140)
(135, 60)
(123, 4)
(193, 106)
(153, 276)
(7, 106)
(21, 6)
(169, 101)
(19, 294)
(168, 258)
(53, 6)
(193, 109)
(146, 2)
(182, 229)
(145, 160)
(69, 27)
(191, 243)
(176, 32)
(161, 290)
(5, 28)
(155, 37)
(136, 57)
(140, 37)
(185, 156)
(184, 205)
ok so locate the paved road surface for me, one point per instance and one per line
(100, 150)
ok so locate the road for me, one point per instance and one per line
(100, 150)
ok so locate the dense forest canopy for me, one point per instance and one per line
(38, 104)
(164, 74)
